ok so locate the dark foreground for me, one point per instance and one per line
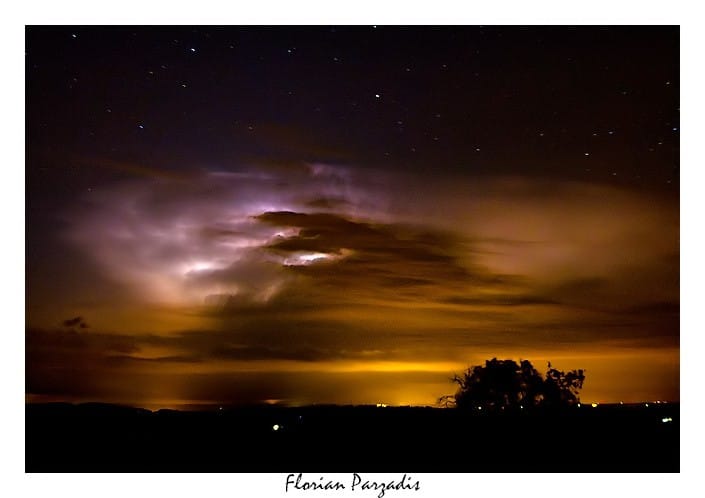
(106, 438)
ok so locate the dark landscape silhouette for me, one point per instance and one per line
(508, 419)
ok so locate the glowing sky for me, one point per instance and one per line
(298, 276)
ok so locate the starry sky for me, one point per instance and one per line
(349, 214)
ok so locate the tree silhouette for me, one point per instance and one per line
(561, 388)
(503, 385)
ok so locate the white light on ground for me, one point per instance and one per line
(275, 427)
(594, 405)
(666, 420)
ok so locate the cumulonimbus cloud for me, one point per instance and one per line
(324, 265)
(238, 234)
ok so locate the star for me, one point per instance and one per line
(193, 50)
(377, 96)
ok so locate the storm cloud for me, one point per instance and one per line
(312, 267)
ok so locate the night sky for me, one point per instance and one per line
(348, 214)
